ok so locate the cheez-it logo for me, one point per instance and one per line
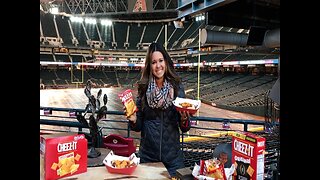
(70, 146)
(243, 148)
(127, 96)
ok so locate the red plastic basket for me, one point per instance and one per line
(195, 103)
(127, 171)
(191, 111)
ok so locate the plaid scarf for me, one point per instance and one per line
(159, 98)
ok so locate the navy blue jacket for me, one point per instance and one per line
(160, 136)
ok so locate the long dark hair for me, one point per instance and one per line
(147, 76)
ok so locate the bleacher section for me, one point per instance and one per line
(58, 30)
(240, 92)
(232, 90)
(62, 57)
(81, 34)
(120, 30)
(64, 30)
(189, 35)
(135, 35)
(106, 35)
(47, 57)
(64, 41)
(48, 27)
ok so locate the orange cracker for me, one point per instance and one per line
(250, 171)
(62, 172)
(66, 165)
(74, 168)
(60, 163)
(54, 166)
(78, 156)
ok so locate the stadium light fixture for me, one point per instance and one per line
(106, 22)
(76, 19)
(200, 17)
(54, 10)
(90, 21)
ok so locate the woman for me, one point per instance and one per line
(157, 118)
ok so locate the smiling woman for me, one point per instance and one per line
(157, 118)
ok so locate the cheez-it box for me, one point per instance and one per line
(62, 155)
(248, 156)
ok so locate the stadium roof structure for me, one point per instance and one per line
(229, 13)
(116, 9)
(235, 16)
(235, 13)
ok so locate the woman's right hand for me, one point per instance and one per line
(132, 118)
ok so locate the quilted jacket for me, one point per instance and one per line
(160, 136)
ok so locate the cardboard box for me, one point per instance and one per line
(62, 155)
(248, 155)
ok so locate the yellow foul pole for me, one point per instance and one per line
(198, 96)
(165, 36)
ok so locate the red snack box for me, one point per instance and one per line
(248, 156)
(62, 155)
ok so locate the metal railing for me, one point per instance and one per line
(195, 146)
(57, 120)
